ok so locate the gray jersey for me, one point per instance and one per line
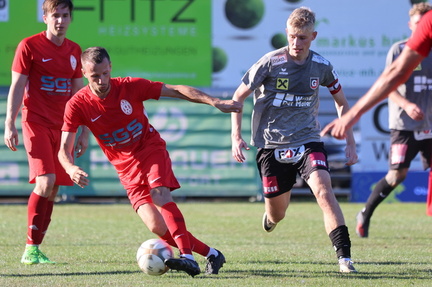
(286, 98)
(417, 90)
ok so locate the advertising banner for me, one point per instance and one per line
(166, 41)
(353, 36)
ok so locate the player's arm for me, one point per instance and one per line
(412, 110)
(194, 95)
(76, 174)
(237, 142)
(342, 107)
(14, 102)
(393, 76)
(83, 138)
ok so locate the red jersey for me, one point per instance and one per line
(50, 69)
(421, 40)
(118, 122)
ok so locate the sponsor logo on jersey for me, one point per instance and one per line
(278, 60)
(421, 83)
(282, 83)
(283, 71)
(123, 136)
(289, 100)
(126, 107)
(73, 62)
(314, 83)
(57, 85)
(320, 59)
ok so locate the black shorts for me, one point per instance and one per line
(404, 148)
(278, 178)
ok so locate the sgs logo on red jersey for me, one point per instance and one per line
(122, 136)
(57, 85)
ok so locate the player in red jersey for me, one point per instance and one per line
(112, 108)
(46, 72)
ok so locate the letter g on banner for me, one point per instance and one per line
(380, 118)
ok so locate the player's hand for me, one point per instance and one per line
(237, 152)
(351, 154)
(229, 106)
(414, 111)
(11, 137)
(78, 176)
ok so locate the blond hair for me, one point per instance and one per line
(302, 18)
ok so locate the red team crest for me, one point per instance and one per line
(314, 83)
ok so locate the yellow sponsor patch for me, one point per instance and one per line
(282, 83)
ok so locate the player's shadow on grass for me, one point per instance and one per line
(292, 269)
(71, 274)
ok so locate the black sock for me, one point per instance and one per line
(381, 191)
(341, 241)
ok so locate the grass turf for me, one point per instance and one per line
(95, 245)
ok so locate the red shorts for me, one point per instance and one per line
(152, 170)
(42, 146)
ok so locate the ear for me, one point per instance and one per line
(44, 18)
(314, 34)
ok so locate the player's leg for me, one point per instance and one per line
(314, 170)
(277, 181)
(427, 155)
(153, 219)
(380, 192)
(403, 149)
(275, 210)
(37, 207)
(334, 221)
(176, 225)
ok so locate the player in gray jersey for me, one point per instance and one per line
(410, 122)
(286, 131)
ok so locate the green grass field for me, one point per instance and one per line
(95, 245)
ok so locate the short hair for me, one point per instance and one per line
(51, 5)
(95, 55)
(420, 8)
(302, 18)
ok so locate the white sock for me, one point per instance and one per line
(188, 256)
(212, 252)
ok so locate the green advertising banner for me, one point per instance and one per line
(167, 41)
(199, 142)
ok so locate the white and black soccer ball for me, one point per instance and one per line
(151, 256)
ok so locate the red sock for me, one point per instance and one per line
(36, 210)
(168, 239)
(429, 195)
(176, 226)
(48, 213)
(196, 245)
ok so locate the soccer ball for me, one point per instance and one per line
(151, 256)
